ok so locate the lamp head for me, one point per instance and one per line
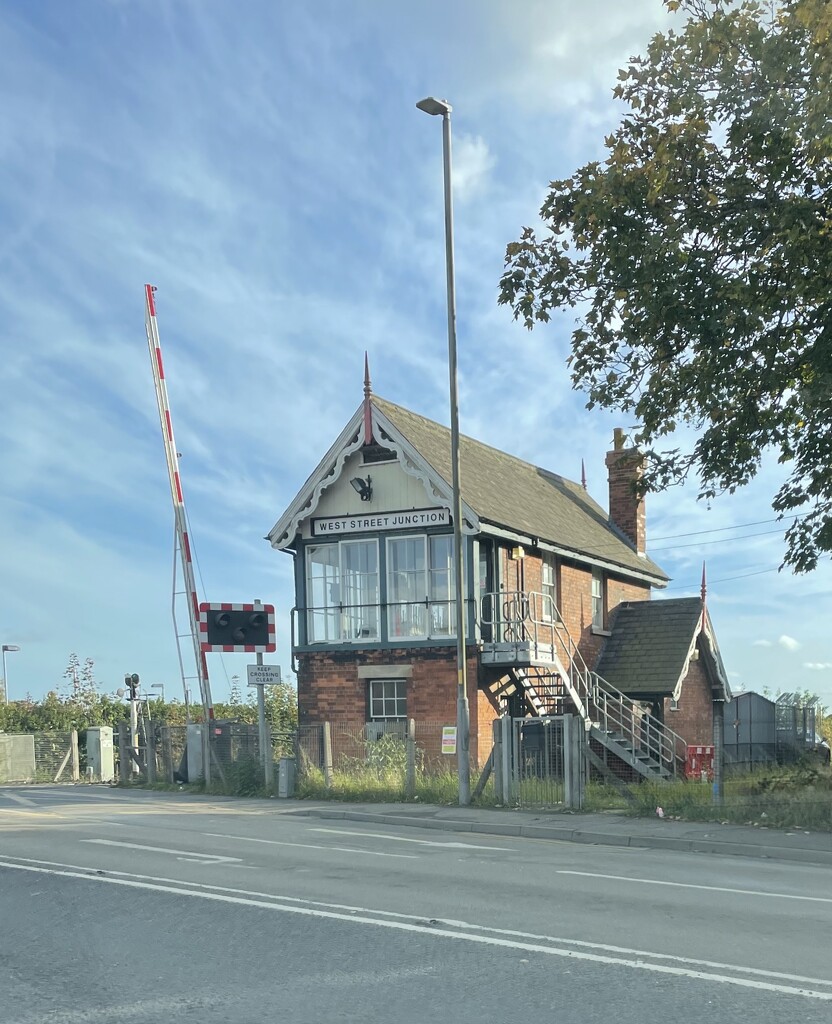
(431, 105)
(363, 487)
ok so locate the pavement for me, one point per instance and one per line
(608, 828)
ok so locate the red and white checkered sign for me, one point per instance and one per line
(206, 610)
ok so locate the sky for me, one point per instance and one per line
(265, 167)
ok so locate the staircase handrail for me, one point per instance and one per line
(530, 614)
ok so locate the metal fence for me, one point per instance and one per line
(40, 757)
(540, 762)
(394, 752)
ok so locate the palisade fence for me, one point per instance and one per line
(41, 757)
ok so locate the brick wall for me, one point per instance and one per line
(329, 689)
(625, 466)
(694, 721)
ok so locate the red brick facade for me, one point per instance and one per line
(694, 719)
(330, 690)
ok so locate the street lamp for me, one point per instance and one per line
(9, 648)
(433, 106)
(159, 686)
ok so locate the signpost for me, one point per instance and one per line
(261, 675)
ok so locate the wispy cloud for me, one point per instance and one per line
(818, 666)
(762, 643)
(789, 643)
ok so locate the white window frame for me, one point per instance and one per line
(549, 587)
(598, 599)
(397, 699)
(346, 616)
(425, 595)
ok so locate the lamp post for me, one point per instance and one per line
(159, 686)
(7, 648)
(435, 107)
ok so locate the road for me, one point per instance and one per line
(137, 907)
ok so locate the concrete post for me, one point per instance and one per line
(326, 738)
(76, 760)
(506, 725)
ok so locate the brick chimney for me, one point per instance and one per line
(625, 466)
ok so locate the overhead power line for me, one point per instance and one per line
(722, 529)
(720, 540)
(725, 579)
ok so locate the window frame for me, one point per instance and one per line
(398, 698)
(429, 599)
(599, 599)
(343, 614)
(549, 588)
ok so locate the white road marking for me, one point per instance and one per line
(311, 846)
(173, 886)
(709, 888)
(24, 801)
(188, 855)
(403, 839)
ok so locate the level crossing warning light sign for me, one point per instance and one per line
(237, 628)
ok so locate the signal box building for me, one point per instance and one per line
(555, 587)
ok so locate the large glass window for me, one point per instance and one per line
(406, 587)
(342, 592)
(421, 593)
(441, 591)
(323, 582)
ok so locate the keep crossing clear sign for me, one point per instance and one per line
(263, 675)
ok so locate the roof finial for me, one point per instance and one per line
(368, 390)
(583, 475)
(704, 590)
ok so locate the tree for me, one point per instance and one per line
(698, 258)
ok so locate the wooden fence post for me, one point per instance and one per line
(497, 755)
(150, 751)
(123, 755)
(410, 773)
(167, 753)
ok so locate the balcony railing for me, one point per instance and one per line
(393, 621)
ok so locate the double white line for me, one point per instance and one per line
(460, 931)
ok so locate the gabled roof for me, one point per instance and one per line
(497, 490)
(513, 494)
(651, 643)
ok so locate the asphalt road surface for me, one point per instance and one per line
(137, 907)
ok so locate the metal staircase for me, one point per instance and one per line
(620, 727)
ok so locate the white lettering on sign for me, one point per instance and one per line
(263, 675)
(384, 521)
